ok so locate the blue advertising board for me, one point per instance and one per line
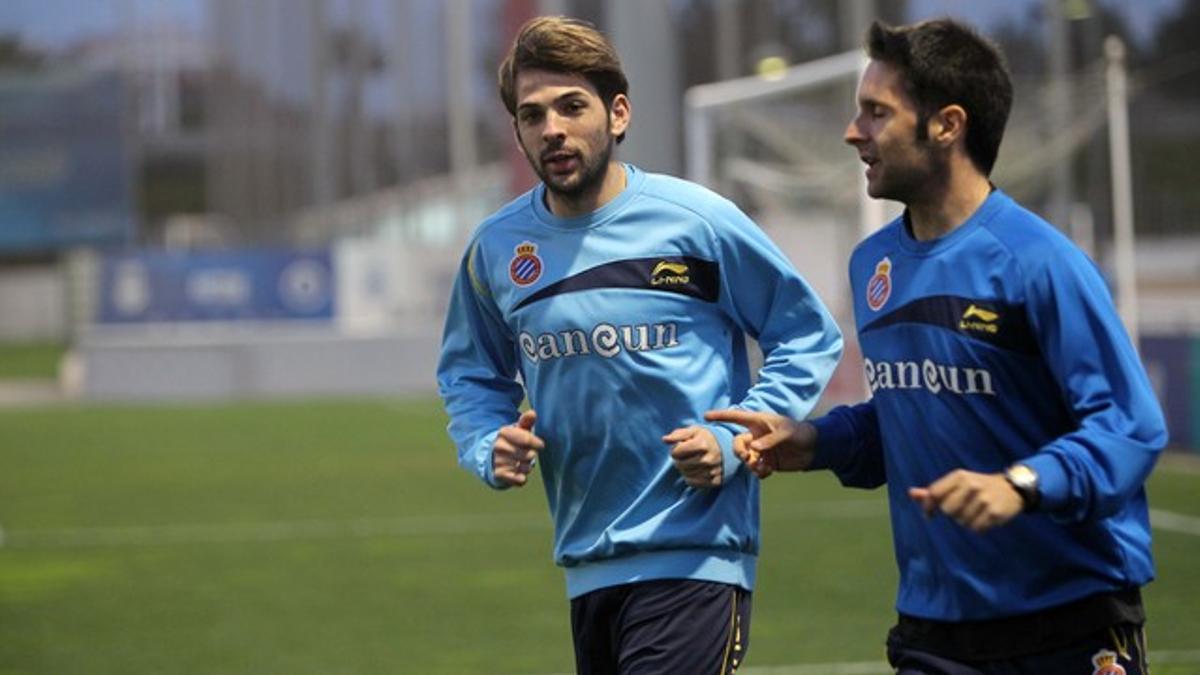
(153, 287)
(1173, 363)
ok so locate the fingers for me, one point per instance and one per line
(519, 437)
(975, 501)
(923, 499)
(976, 516)
(514, 453)
(952, 495)
(760, 463)
(771, 439)
(758, 423)
(690, 443)
(697, 456)
(511, 476)
(741, 448)
(680, 435)
(527, 420)
(511, 465)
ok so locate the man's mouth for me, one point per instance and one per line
(871, 163)
(559, 161)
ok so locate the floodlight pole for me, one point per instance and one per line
(1122, 180)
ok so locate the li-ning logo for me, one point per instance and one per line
(1105, 661)
(979, 320)
(525, 267)
(669, 273)
(879, 286)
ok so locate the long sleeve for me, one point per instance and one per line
(848, 443)
(768, 299)
(477, 370)
(1093, 471)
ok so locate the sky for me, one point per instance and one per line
(1142, 16)
(57, 23)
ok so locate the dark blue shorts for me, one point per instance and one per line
(657, 627)
(1118, 650)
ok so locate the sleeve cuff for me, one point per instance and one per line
(484, 467)
(1052, 481)
(730, 464)
(834, 435)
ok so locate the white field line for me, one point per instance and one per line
(1174, 656)
(415, 526)
(1157, 657)
(411, 526)
(1174, 522)
(845, 668)
(275, 531)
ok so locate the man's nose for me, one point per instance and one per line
(853, 135)
(554, 127)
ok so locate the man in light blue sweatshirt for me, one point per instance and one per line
(617, 301)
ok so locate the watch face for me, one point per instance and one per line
(1022, 476)
(1025, 481)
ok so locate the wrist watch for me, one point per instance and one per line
(1025, 481)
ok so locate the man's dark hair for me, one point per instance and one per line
(565, 45)
(944, 62)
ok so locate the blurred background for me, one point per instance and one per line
(228, 230)
(240, 198)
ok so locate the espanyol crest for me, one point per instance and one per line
(1105, 662)
(526, 266)
(879, 287)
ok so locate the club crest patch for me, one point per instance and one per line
(526, 266)
(1105, 662)
(879, 287)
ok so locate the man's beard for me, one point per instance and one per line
(591, 173)
(920, 180)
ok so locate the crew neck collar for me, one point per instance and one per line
(994, 201)
(634, 178)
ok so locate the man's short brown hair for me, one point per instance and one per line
(565, 45)
(946, 62)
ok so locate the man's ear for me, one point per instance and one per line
(517, 139)
(948, 125)
(619, 113)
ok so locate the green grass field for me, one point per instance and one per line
(341, 537)
(29, 360)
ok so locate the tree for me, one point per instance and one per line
(14, 55)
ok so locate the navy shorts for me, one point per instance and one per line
(1117, 650)
(657, 627)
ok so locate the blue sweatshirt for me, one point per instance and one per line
(620, 326)
(995, 344)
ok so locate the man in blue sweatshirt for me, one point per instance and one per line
(1010, 417)
(620, 299)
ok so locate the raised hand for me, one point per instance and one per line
(977, 501)
(514, 454)
(697, 456)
